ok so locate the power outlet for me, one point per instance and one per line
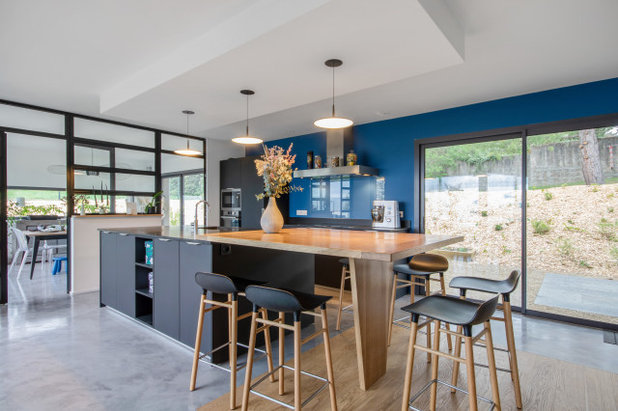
(301, 212)
(401, 214)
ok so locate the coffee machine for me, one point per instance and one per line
(385, 214)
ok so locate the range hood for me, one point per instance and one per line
(335, 140)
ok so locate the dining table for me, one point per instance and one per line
(37, 236)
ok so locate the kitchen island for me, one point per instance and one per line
(286, 260)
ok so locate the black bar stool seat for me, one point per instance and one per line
(224, 284)
(453, 310)
(404, 268)
(288, 301)
(505, 286)
(464, 314)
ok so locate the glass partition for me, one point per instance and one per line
(33, 120)
(113, 133)
(34, 161)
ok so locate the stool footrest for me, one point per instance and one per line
(228, 369)
(430, 383)
(283, 404)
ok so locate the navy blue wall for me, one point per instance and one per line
(389, 145)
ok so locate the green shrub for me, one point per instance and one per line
(564, 246)
(584, 264)
(614, 252)
(548, 196)
(484, 213)
(608, 229)
(595, 188)
(540, 227)
(498, 227)
(610, 209)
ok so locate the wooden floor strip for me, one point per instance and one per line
(547, 384)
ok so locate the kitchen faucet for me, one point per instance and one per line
(206, 205)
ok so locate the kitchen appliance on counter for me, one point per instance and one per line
(385, 214)
(230, 199)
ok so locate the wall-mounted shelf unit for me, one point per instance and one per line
(356, 170)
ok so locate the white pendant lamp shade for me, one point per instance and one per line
(247, 139)
(188, 151)
(333, 122)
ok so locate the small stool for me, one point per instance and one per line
(345, 275)
(57, 267)
(419, 268)
(233, 287)
(465, 314)
(504, 288)
(287, 301)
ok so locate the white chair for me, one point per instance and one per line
(48, 251)
(22, 247)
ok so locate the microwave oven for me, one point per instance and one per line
(230, 199)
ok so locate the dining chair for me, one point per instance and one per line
(22, 247)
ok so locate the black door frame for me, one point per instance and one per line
(605, 120)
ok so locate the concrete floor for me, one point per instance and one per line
(62, 352)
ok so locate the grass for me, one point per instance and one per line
(614, 252)
(30, 195)
(540, 227)
(584, 264)
(565, 248)
(498, 227)
(548, 196)
(608, 229)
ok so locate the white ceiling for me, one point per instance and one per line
(144, 61)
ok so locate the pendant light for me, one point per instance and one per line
(333, 122)
(188, 151)
(247, 139)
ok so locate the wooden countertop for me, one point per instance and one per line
(341, 243)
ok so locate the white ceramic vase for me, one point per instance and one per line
(272, 220)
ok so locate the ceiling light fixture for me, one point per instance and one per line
(333, 122)
(247, 139)
(188, 151)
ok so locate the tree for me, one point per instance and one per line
(591, 159)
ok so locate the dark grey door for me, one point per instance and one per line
(125, 274)
(194, 257)
(165, 303)
(108, 268)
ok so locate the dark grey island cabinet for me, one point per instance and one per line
(117, 272)
(166, 308)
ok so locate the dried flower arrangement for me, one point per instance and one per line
(275, 167)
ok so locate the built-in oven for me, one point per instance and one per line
(230, 218)
(230, 199)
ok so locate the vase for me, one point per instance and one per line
(272, 220)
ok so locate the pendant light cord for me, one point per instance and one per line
(247, 127)
(333, 91)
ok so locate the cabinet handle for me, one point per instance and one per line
(192, 243)
(164, 239)
(124, 234)
(106, 232)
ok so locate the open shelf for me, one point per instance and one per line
(146, 318)
(144, 292)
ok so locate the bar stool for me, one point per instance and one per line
(287, 301)
(233, 287)
(504, 288)
(420, 269)
(345, 275)
(465, 314)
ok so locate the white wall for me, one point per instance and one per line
(217, 150)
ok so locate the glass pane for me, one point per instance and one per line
(36, 202)
(193, 192)
(135, 160)
(35, 161)
(27, 119)
(474, 190)
(121, 203)
(90, 156)
(171, 163)
(135, 182)
(93, 181)
(171, 201)
(171, 142)
(572, 224)
(92, 203)
(113, 133)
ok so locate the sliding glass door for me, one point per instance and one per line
(572, 224)
(474, 189)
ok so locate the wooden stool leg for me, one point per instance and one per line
(341, 289)
(427, 294)
(329, 361)
(297, 339)
(198, 343)
(510, 341)
(457, 354)
(491, 364)
(250, 354)
(233, 326)
(472, 401)
(392, 310)
(448, 327)
(407, 385)
(281, 354)
(434, 367)
(268, 346)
